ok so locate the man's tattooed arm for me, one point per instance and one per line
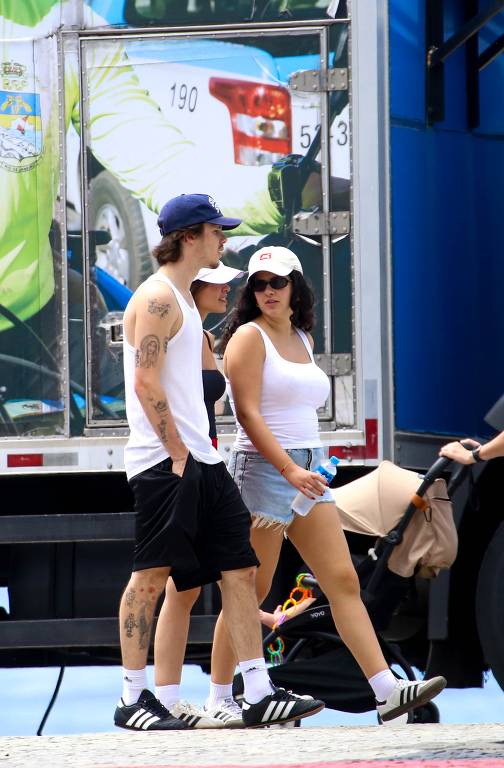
(148, 353)
(156, 307)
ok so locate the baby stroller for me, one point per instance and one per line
(413, 534)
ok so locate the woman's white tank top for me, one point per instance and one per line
(182, 382)
(290, 396)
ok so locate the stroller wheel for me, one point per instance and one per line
(427, 713)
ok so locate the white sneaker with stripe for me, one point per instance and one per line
(280, 706)
(407, 695)
(227, 711)
(195, 717)
(146, 714)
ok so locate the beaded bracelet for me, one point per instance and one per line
(285, 466)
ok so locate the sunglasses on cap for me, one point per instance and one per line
(277, 283)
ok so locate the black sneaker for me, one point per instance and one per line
(147, 714)
(281, 706)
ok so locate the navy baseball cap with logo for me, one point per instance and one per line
(186, 210)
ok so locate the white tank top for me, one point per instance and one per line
(182, 382)
(290, 396)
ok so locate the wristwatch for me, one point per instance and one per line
(476, 455)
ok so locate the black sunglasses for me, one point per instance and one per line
(276, 282)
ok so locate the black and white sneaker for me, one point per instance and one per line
(227, 712)
(280, 706)
(407, 695)
(147, 714)
(194, 716)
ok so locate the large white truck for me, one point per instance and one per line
(309, 120)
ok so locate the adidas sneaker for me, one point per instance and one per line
(227, 711)
(146, 714)
(194, 716)
(280, 706)
(407, 695)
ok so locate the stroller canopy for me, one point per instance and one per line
(373, 504)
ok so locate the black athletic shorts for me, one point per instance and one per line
(198, 524)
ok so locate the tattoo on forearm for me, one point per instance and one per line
(162, 430)
(155, 307)
(147, 355)
(160, 406)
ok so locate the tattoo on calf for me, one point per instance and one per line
(155, 307)
(130, 597)
(147, 355)
(142, 624)
(130, 624)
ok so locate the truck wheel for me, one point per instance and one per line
(111, 208)
(490, 605)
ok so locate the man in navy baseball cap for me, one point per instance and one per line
(185, 210)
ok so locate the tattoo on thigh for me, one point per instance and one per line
(147, 355)
(155, 307)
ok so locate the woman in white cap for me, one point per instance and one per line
(210, 291)
(275, 390)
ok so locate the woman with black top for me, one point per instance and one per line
(210, 290)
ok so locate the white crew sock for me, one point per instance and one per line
(383, 683)
(256, 682)
(168, 694)
(134, 681)
(218, 693)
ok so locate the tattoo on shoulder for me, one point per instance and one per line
(147, 355)
(156, 307)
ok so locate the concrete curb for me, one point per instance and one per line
(439, 746)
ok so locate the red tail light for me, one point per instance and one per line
(260, 116)
(357, 452)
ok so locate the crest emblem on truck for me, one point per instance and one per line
(20, 120)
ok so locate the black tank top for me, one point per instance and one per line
(214, 386)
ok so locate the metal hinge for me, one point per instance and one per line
(320, 223)
(113, 325)
(316, 80)
(336, 364)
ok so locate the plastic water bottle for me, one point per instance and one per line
(302, 504)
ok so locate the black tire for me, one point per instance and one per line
(427, 713)
(113, 209)
(490, 605)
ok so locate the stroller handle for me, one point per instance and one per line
(436, 470)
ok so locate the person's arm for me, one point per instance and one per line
(457, 452)
(158, 318)
(244, 362)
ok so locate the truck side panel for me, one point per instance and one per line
(447, 236)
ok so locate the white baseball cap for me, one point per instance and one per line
(276, 259)
(219, 275)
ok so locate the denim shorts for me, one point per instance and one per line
(266, 493)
